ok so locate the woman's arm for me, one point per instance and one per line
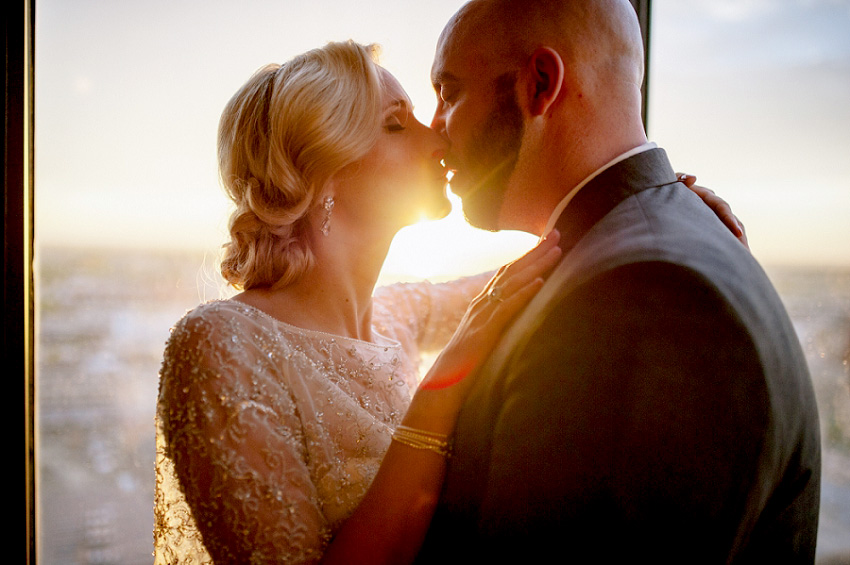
(236, 440)
(237, 445)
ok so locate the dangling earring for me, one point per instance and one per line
(328, 205)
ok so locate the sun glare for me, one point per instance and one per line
(450, 248)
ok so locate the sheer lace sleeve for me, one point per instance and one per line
(237, 446)
(268, 435)
(425, 313)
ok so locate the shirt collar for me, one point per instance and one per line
(559, 209)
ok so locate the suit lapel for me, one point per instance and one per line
(613, 185)
(593, 202)
(467, 477)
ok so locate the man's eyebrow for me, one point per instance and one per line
(442, 77)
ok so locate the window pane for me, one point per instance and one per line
(752, 97)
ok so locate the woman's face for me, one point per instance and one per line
(402, 179)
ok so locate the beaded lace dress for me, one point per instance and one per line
(268, 435)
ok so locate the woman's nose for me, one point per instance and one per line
(441, 142)
(438, 122)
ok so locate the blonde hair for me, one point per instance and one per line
(281, 138)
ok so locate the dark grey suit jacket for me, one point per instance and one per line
(652, 402)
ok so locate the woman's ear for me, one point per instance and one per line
(545, 75)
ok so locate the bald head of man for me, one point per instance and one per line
(533, 96)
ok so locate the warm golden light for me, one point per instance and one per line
(449, 248)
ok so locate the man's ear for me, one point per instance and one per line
(545, 77)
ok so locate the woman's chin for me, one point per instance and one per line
(436, 210)
(434, 206)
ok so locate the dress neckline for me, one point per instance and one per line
(386, 342)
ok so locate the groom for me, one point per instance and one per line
(653, 402)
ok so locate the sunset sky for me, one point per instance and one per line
(749, 95)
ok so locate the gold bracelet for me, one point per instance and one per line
(420, 439)
(422, 433)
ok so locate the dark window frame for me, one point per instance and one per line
(17, 286)
(643, 9)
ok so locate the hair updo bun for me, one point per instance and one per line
(281, 138)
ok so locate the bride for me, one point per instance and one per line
(286, 429)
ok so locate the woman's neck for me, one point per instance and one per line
(335, 295)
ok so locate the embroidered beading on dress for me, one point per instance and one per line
(268, 435)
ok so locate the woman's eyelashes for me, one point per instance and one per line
(398, 117)
(394, 125)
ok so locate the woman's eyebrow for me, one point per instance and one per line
(399, 104)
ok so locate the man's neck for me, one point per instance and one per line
(557, 157)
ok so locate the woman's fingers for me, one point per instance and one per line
(511, 305)
(505, 295)
(535, 263)
(742, 236)
(510, 291)
(720, 207)
(724, 212)
(506, 289)
(688, 180)
(535, 254)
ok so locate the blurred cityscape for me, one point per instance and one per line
(104, 317)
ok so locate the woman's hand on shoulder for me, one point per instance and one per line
(719, 206)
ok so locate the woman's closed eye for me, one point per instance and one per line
(394, 125)
(396, 121)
